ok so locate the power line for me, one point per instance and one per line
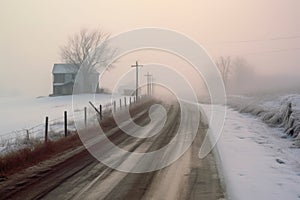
(271, 51)
(258, 40)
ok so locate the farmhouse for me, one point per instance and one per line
(63, 78)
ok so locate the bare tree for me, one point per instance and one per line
(241, 62)
(244, 76)
(82, 48)
(88, 49)
(224, 65)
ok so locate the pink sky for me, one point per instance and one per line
(33, 30)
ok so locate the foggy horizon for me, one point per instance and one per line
(265, 33)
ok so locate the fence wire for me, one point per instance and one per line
(18, 139)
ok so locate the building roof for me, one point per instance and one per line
(63, 68)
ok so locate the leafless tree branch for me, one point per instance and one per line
(84, 47)
(224, 64)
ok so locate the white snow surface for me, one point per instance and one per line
(254, 159)
(278, 111)
(20, 114)
(25, 113)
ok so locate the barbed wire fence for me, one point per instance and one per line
(56, 129)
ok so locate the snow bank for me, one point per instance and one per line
(281, 112)
(255, 161)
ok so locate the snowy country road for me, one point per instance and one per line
(81, 176)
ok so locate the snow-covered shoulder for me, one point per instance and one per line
(256, 161)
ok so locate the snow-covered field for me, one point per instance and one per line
(257, 158)
(19, 115)
(258, 149)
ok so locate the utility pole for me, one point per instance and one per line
(151, 84)
(148, 83)
(137, 79)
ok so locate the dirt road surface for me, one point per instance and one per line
(81, 176)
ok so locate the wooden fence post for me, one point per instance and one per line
(27, 135)
(115, 106)
(125, 103)
(66, 123)
(85, 116)
(100, 109)
(120, 103)
(46, 130)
